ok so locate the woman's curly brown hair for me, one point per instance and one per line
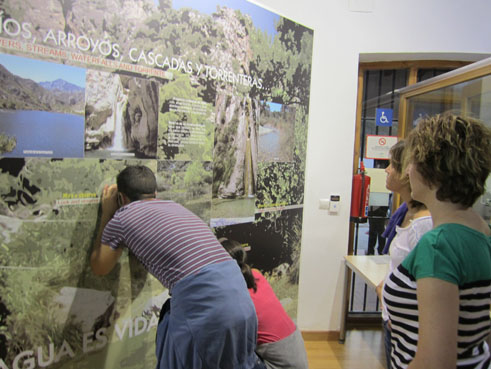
(453, 154)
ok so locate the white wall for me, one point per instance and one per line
(340, 35)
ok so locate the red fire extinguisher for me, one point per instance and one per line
(359, 196)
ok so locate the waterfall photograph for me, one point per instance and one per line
(120, 116)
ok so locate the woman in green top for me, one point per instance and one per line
(439, 297)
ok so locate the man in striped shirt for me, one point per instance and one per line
(210, 321)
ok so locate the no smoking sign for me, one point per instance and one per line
(377, 147)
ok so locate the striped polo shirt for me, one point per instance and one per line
(456, 254)
(169, 240)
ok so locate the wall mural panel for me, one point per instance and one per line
(212, 96)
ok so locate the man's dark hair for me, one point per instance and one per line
(137, 182)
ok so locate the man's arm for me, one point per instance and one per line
(104, 258)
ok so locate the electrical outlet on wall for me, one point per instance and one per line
(334, 203)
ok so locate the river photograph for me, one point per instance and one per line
(276, 133)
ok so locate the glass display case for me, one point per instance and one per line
(465, 91)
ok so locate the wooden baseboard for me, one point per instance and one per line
(320, 335)
(361, 323)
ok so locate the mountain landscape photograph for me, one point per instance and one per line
(41, 112)
(20, 91)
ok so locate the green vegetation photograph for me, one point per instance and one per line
(7, 143)
(187, 183)
(46, 244)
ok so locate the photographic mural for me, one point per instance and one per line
(212, 96)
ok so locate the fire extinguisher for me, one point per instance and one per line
(359, 196)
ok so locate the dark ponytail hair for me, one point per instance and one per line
(236, 250)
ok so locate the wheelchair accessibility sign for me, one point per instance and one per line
(383, 117)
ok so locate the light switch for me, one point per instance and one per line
(324, 204)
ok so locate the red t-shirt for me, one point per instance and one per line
(274, 323)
